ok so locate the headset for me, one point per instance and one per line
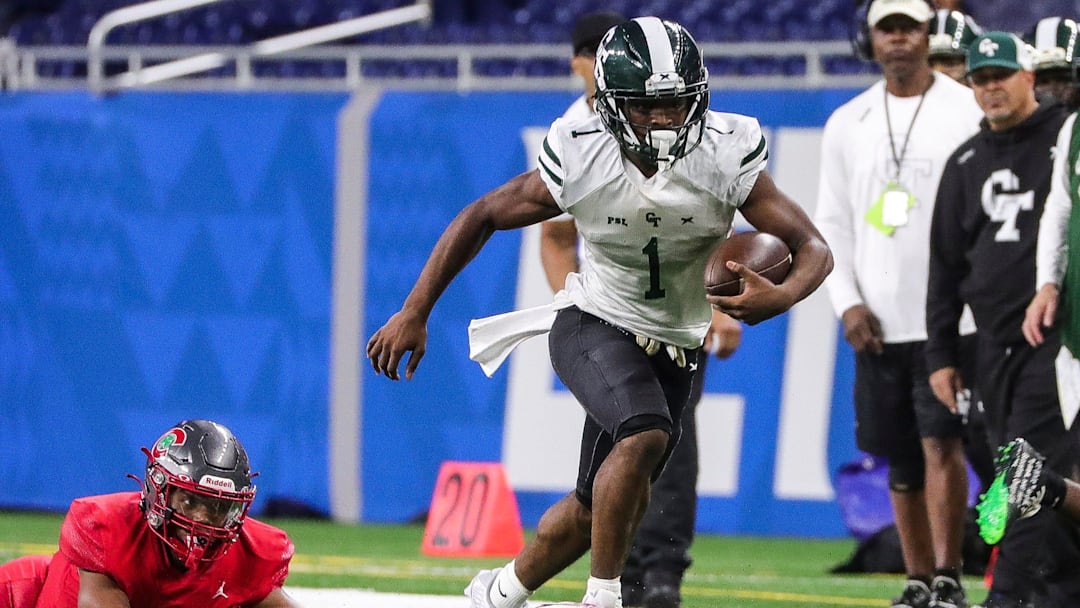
(860, 31)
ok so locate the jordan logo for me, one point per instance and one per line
(221, 592)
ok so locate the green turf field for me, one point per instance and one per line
(727, 571)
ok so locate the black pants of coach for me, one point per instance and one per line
(1039, 558)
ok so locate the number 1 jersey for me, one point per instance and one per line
(648, 238)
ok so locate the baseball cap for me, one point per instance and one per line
(919, 10)
(999, 49)
(591, 27)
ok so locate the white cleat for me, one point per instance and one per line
(601, 598)
(477, 590)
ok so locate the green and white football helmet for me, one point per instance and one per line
(649, 60)
(1055, 42)
(1054, 39)
(951, 32)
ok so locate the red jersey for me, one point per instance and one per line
(109, 534)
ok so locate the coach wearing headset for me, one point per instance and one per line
(882, 157)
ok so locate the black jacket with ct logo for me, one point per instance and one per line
(982, 239)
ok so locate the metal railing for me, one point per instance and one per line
(124, 16)
(183, 66)
(23, 68)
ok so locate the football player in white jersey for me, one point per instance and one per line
(653, 575)
(653, 182)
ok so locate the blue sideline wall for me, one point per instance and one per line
(166, 256)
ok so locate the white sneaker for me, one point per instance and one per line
(601, 598)
(477, 590)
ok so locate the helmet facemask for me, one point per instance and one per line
(1055, 50)
(196, 510)
(660, 145)
(651, 62)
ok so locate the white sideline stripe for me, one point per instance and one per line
(361, 598)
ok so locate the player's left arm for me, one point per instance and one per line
(278, 599)
(770, 210)
(97, 590)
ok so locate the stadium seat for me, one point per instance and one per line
(471, 22)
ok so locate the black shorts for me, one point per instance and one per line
(895, 406)
(624, 391)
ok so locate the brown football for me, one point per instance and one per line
(761, 252)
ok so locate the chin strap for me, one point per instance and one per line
(195, 551)
(663, 140)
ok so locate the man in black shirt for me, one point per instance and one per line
(982, 253)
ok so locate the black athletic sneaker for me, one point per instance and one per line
(662, 590)
(915, 595)
(946, 592)
(1016, 492)
(632, 592)
(662, 596)
(996, 600)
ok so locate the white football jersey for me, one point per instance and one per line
(648, 239)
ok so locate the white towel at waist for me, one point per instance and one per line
(491, 339)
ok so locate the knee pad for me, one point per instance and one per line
(642, 423)
(907, 475)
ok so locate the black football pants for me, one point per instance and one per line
(1039, 556)
(663, 539)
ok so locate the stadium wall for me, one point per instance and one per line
(172, 255)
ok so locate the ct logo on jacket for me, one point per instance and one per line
(1002, 201)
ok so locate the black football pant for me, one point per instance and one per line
(1039, 556)
(663, 539)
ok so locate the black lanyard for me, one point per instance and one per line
(898, 159)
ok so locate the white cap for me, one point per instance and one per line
(919, 10)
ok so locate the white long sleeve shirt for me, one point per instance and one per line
(1052, 250)
(888, 273)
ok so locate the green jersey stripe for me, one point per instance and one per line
(748, 168)
(551, 154)
(757, 152)
(555, 177)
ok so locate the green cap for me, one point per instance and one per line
(999, 49)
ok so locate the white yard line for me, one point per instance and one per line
(363, 598)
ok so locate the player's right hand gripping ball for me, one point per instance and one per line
(761, 252)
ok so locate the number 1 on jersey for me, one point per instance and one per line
(653, 251)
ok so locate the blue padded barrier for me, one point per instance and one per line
(168, 255)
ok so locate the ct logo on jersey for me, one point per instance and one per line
(175, 436)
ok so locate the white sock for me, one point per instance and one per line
(506, 590)
(613, 585)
